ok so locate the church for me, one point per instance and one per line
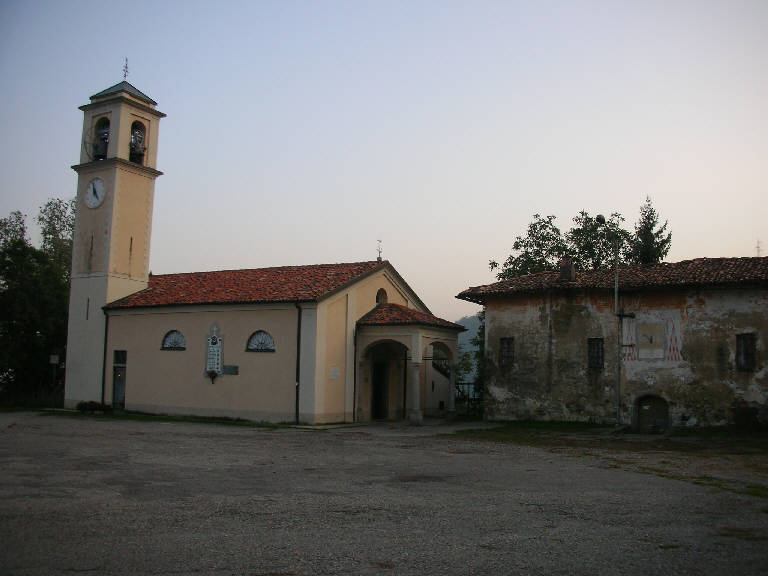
(314, 344)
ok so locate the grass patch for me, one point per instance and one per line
(143, 417)
(705, 441)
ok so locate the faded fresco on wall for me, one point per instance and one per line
(650, 341)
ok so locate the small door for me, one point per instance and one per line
(380, 392)
(118, 379)
(652, 414)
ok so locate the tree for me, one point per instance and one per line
(592, 245)
(14, 227)
(478, 341)
(34, 298)
(650, 243)
(540, 249)
(57, 222)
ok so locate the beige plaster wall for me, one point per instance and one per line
(164, 381)
(131, 224)
(336, 324)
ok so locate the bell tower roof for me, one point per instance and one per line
(125, 87)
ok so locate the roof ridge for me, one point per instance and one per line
(290, 266)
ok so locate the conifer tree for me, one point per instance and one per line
(651, 242)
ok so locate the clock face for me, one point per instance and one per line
(94, 193)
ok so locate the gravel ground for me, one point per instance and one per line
(88, 495)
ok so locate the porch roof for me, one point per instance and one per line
(398, 315)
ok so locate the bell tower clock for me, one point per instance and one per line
(113, 224)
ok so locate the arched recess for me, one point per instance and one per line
(138, 142)
(651, 414)
(101, 139)
(382, 383)
(381, 296)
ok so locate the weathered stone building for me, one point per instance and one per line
(692, 345)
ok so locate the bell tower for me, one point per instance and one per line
(113, 225)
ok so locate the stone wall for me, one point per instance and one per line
(680, 346)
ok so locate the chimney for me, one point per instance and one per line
(567, 270)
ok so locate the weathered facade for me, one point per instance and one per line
(692, 345)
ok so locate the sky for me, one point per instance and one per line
(304, 132)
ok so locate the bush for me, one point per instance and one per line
(90, 407)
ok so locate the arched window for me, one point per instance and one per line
(101, 139)
(381, 296)
(138, 144)
(260, 341)
(174, 340)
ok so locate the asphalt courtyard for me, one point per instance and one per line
(104, 496)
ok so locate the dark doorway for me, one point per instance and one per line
(118, 379)
(380, 391)
(652, 414)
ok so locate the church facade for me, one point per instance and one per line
(311, 344)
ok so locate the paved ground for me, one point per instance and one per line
(126, 497)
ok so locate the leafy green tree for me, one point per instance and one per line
(14, 227)
(651, 242)
(592, 244)
(540, 249)
(57, 222)
(34, 298)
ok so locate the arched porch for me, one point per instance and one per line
(404, 371)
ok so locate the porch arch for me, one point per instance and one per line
(383, 381)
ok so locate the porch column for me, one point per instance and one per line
(452, 392)
(359, 366)
(415, 413)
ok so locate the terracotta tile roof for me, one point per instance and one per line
(700, 272)
(398, 315)
(259, 285)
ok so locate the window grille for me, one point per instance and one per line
(507, 352)
(595, 354)
(260, 341)
(174, 340)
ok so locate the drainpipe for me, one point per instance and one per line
(354, 374)
(298, 358)
(104, 357)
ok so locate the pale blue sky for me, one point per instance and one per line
(302, 132)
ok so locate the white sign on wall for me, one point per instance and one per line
(213, 363)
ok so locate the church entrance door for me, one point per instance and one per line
(118, 380)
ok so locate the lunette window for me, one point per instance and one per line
(174, 340)
(260, 341)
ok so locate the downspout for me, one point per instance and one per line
(298, 358)
(354, 375)
(104, 357)
(405, 383)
